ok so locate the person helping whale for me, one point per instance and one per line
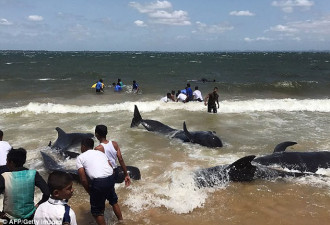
(112, 151)
(96, 176)
(99, 86)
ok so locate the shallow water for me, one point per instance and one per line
(253, 118)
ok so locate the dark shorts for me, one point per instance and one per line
(98, 90)
(212, 107)
(102, 189)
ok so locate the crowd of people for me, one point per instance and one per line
(97, 172)
(186, 95)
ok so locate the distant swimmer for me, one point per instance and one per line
(197, 95)
(120, 82)
(211, 99)
(135, 88)
(99, 86)
(118, 88)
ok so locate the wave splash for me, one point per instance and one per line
(226, 106)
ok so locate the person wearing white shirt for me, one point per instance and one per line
(4, 149)
(56, 210)
(94, 164)
(167, 98)
(197, 95)
(181, 98)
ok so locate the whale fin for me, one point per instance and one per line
(282, 146)
(137, 119)
(242, 169)
(62, 139)
(187, 133)
(60, 132)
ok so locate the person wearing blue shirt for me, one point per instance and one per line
(118, 87)
(189, 93)
(135, 88)
(99, 86)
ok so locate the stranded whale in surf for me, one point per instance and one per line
(302, 161)
(240, 171)
(52, 165)
(205, 138)
(66, 140)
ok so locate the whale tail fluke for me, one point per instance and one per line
(137, 119)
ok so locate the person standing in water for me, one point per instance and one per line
(135, 87)
(211, 99)
(99, 86)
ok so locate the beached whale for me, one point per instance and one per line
(301, 161)
(240, 171)
(205, 138)
(51, 165)
(66, 140)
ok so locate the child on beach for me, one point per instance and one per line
(56, 210)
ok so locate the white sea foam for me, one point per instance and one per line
(44, 79)
(175, 190)
(227, 106)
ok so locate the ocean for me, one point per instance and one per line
(265, 98)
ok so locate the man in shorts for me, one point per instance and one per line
(93, 165)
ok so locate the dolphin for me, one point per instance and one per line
(66, 140)
(52, 165)
(301, 161)
(240, 171)
(204, 138)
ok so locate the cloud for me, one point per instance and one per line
(140, 23)
(4, 21)
(289, 5)
(35, 18)
(319, 26)
(170, 18)
(213, 29)
(151, 7)
(161, 12)
(283, 28)
(247, 39)
(241, 13)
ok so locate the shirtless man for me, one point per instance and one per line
(211, 99)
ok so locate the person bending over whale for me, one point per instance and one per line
(96, 176)
(111, 150)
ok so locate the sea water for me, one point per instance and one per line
(265, 98)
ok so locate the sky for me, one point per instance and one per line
(156, 25)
